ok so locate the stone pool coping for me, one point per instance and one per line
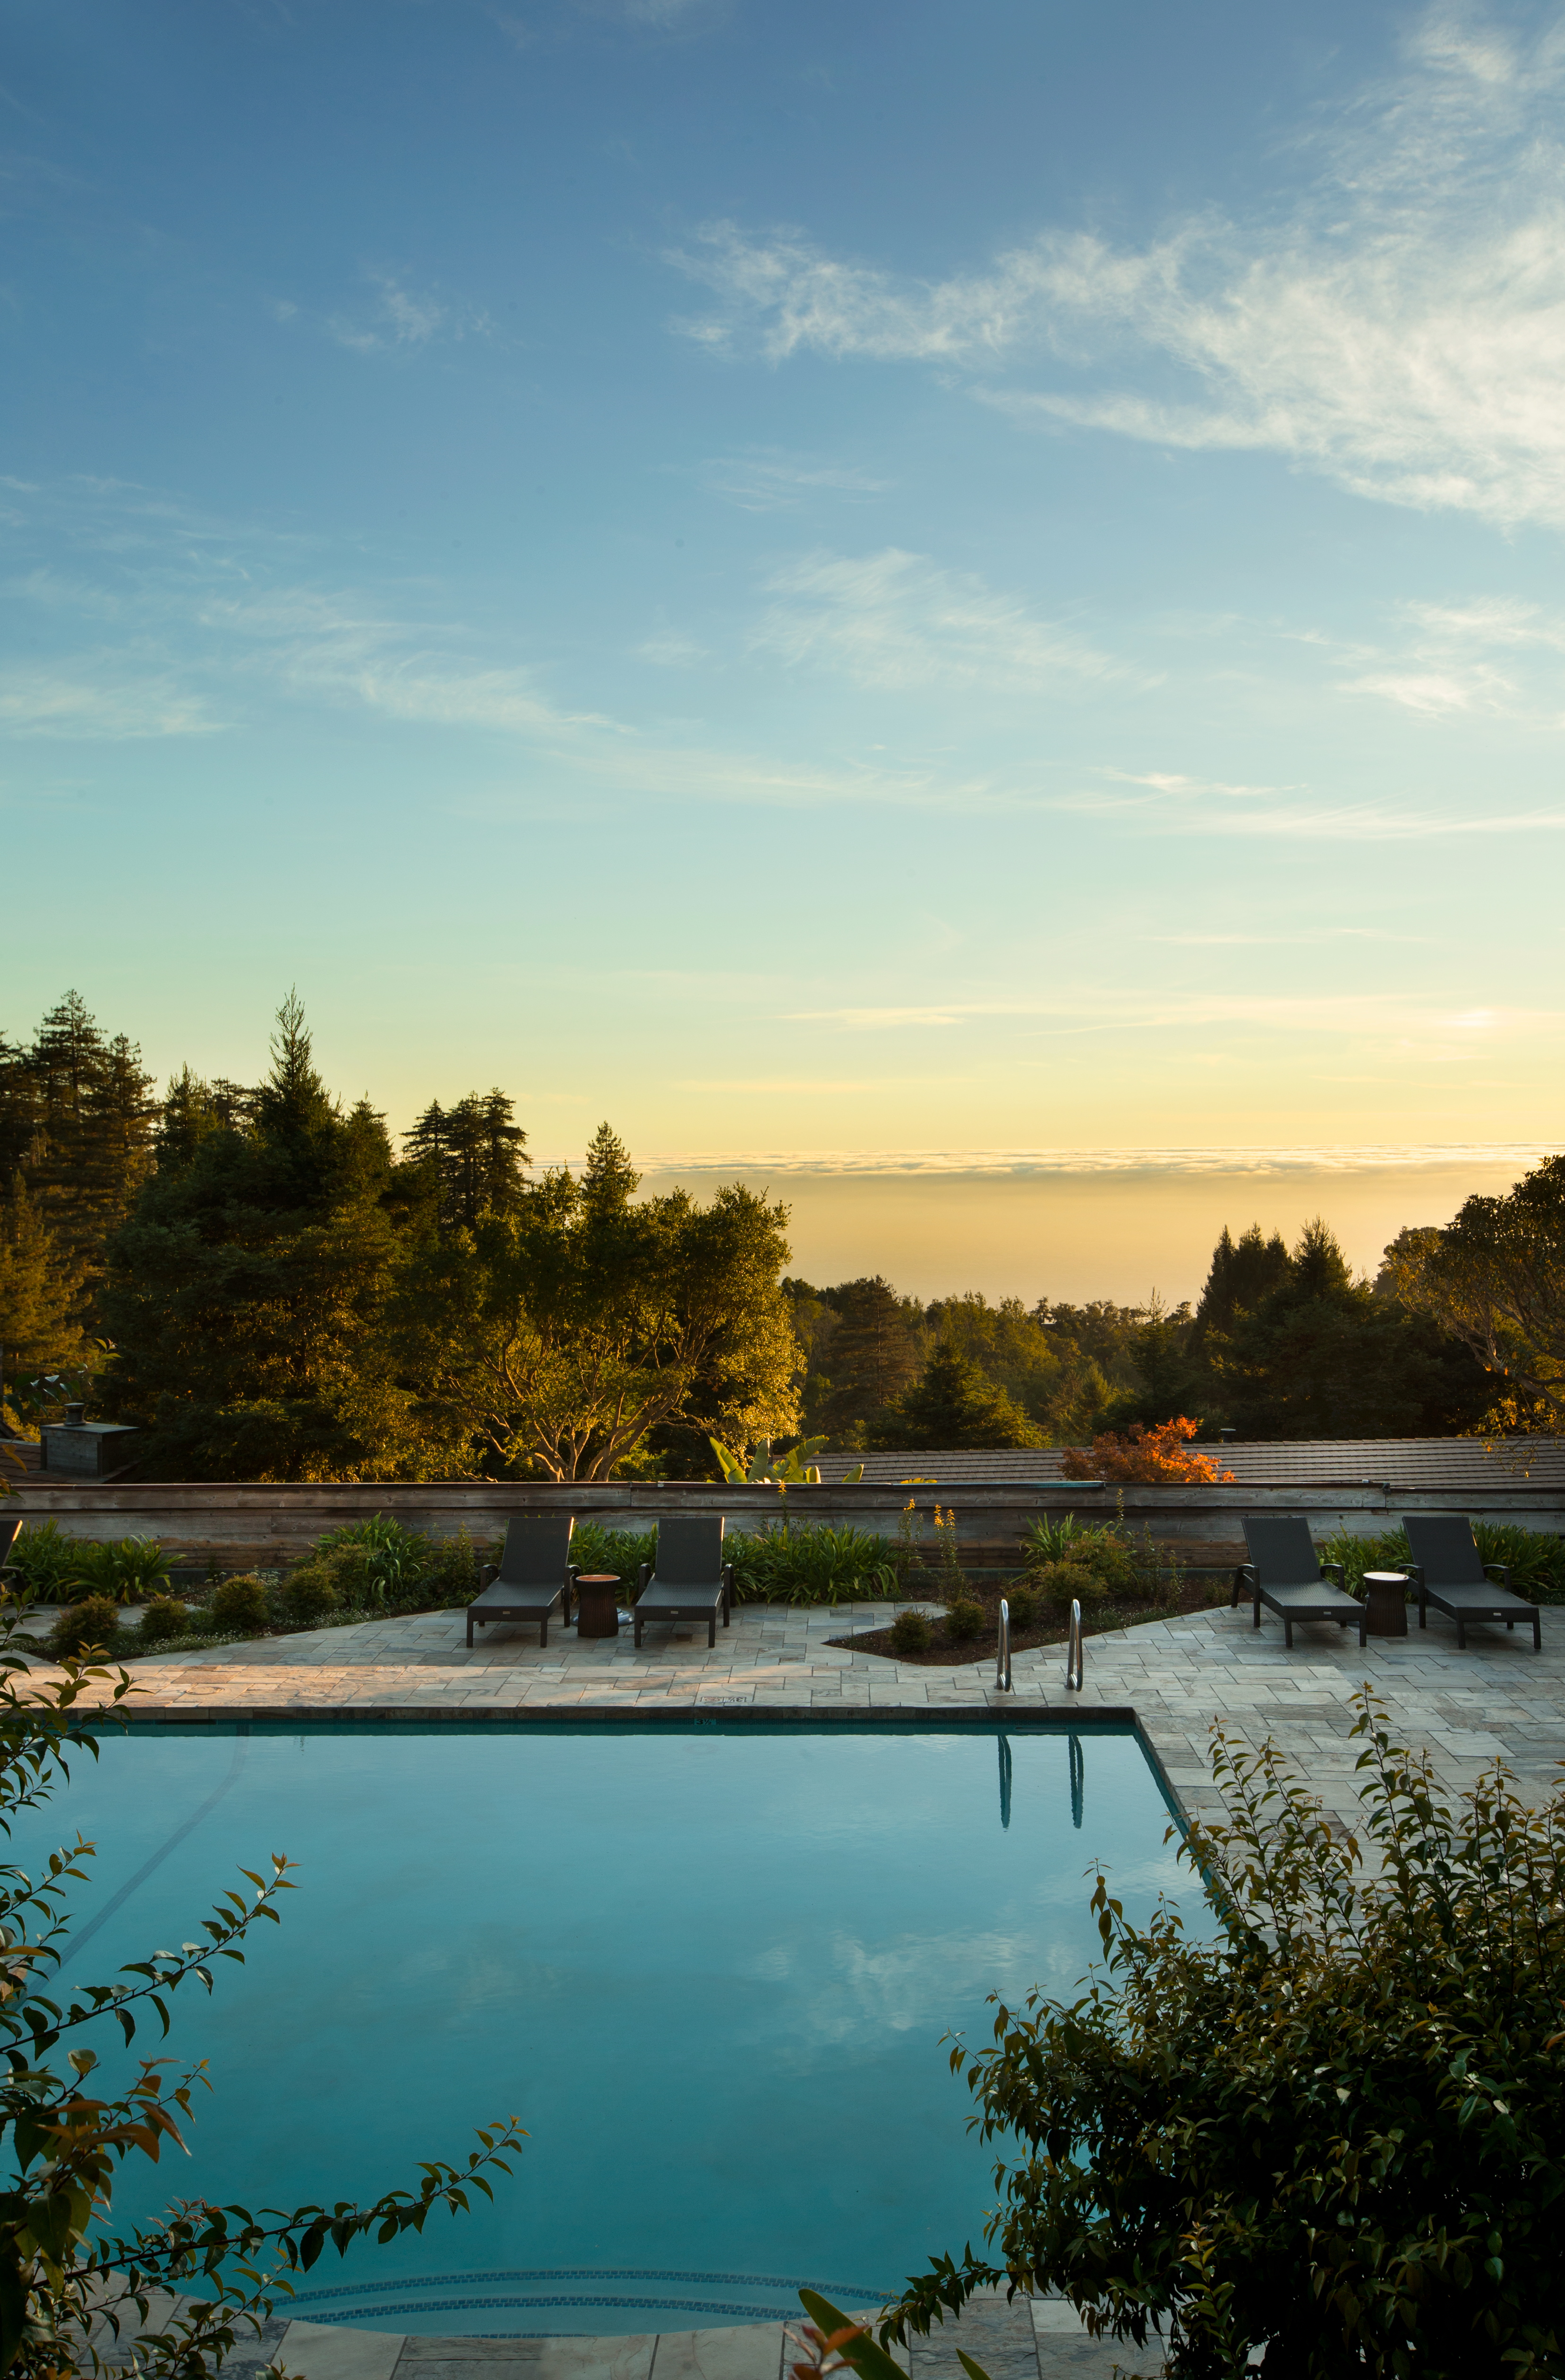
(1025, 2338)
(1169, 1678)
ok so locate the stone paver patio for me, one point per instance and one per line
(1174, 1677)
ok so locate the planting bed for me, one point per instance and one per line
(1050, 1626)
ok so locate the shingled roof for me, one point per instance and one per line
(1445, 1465)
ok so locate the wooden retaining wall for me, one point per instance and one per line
(239, 1526)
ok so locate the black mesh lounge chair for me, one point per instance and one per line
(691, 1581)
(1285, 1573)
(1447, 1573)
(534, 1575)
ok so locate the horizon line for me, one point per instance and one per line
(1369, 1157)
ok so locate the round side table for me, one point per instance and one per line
(1386, 1591)
(597, 1604)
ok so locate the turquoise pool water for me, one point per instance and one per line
(709, 1968)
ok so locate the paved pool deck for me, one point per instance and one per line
(1499, 1699)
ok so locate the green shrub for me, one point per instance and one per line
(451, 1578)
(612, 1553)
(963, 1618)
(307, 1594)
(47, 1561)
(126, 1571)
(1330, 2127)
(1024, 1606)
(1536, 1560)
(166, 1616)
(910, 1633)
(1065, 1583)
(241, 1605)
(377, 1564)
(799, 1562)
(92, 1622)
(811, 1562)
(1099, 1546)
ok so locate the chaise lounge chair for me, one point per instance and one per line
(534, 1574)
(690, 1581)
(1447, 1573)
(1286, 1574)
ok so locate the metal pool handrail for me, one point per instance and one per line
(1002, 1651)
(1073, 1651)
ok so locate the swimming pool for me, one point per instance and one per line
(707, 1967)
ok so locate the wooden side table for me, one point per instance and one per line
(597, 1604)
(1386, 1595)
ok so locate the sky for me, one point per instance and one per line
(902, 600)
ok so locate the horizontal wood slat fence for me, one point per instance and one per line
(269, 1527)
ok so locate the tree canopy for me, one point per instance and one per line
(1495, 1280)
(560, 1331)
(244, 1293)
(953, 1404)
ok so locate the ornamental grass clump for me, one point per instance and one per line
(46, 1562)
(1099, 1546)
(1535, 1558)
(809, 1562)
(1332, 2132)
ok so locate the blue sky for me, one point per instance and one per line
(813, 580)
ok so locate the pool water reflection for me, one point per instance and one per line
(708, 1968)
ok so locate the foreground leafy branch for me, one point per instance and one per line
(66, 2278)
(1336, 2131)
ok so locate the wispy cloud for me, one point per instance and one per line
(110, 708)
(1397, 321)
(896, 619)
(1175, 805)
(393, 319)
(1412, 1025)
(1487, 657)
(672, 649)
(764, 481)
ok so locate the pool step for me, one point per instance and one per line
(1039, 2339)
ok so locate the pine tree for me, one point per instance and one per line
(38, 1294)
(474, 1155)
(954, 1404)
(76, 1120)
(1243, 1272)
(609, 1181)
(874, 1352)
(245, 1294)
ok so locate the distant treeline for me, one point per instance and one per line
(258, 1276)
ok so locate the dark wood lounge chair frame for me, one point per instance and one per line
(686, 1545)
(533, 1577)
(1317, 1598)
(1476, 1597)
